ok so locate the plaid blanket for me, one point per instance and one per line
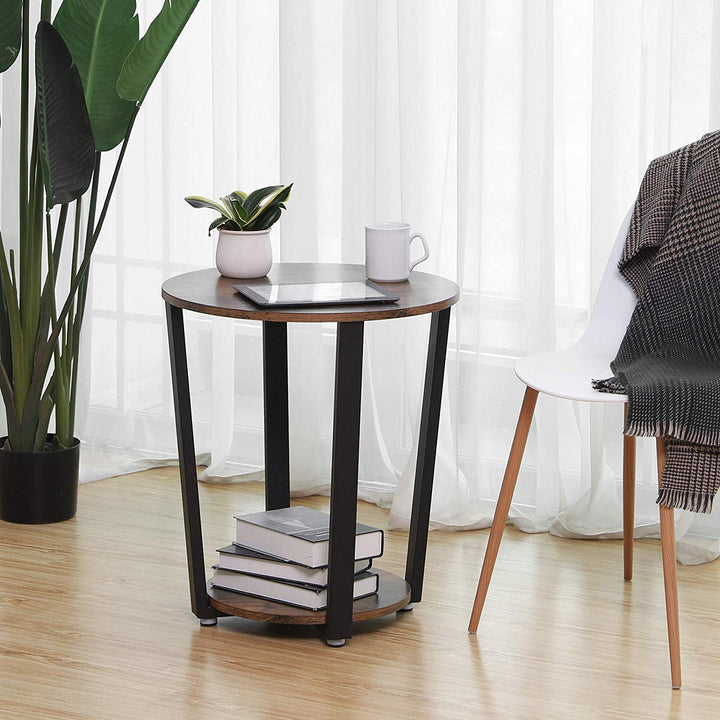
(669, 360)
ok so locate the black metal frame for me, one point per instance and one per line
(345, 455)
(188, 469)
(344, 479)
(277, 424)
(427, 447)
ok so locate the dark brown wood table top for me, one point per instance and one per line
(208, 292)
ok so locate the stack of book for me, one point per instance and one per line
(282, 555)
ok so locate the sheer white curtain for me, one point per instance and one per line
(513, 134)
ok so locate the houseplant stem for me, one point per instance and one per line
(92, 72)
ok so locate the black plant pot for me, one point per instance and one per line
(39, 487)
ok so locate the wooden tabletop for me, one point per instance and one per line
(208, 292)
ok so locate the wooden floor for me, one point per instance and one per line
(95, 624)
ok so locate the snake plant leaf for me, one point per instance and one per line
(232, 209)
(198, 201)
(147, 57)
(239, 195)
(232, 201)
(281, 194)
(217, 222)
(67, 148)
(10, 32)
(257, 196)
(267, 218)
(100, 35)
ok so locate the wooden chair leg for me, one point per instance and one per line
(503, 504)
(667, 542)
(628, 502)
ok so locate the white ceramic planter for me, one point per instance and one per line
(243, 254)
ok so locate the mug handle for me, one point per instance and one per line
(425, 246)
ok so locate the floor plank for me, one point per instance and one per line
(96, 624)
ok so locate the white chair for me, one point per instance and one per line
(567, 374)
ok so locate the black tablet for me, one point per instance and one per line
(315, 293)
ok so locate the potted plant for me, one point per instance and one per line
(92, 72)
(243, 248)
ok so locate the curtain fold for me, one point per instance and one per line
(512, 133)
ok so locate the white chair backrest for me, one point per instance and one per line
(614, 304)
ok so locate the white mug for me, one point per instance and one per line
(387, 251)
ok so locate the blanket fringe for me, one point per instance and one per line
(610, 385)
(685, 500)
(668, 428)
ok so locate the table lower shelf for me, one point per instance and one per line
(393, 594)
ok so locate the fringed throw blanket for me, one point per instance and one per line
(669, 360)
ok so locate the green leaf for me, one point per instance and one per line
(260, 221)
(17, 341)
(217, 222)
(257, 196)
(5, 337)
(236, 210)
(202, 202)
(67, 148)
(282, 194)
(230, 210)
(240, 195)
(237, 205)
(10, 32)
(148, 56)
(267, 218)
(100, 35)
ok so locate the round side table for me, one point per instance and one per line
(207, 292)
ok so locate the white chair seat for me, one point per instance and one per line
(567, 374)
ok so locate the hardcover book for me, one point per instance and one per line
(242, 559)
(304, 596)
(300, 534)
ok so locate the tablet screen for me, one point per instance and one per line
(322, 293)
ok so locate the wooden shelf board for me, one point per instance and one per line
(393, 594)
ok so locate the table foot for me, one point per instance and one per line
(408, 608)
(335, 643)
(208, 622)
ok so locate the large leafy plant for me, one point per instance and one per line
(92, 73)
(247, 212)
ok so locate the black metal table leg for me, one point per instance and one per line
(344, 482)
(277, 443)
(188, 470)
(427, 447)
